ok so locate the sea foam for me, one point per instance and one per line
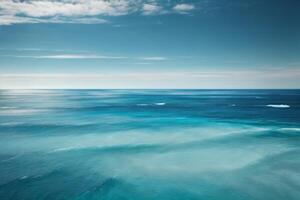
(160, 104)
(278, 105)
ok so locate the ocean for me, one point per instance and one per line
(150, 144)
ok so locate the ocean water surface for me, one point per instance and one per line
(150, 144)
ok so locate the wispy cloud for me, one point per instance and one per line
(87, 56)
(183, 8)
(68, 56)
(150, 9)
(21, 49)
(154, 58)
(32, 49)
(77, 56)
(143, 63)
(13, 19)
(29, 49)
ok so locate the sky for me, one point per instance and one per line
(196, 44)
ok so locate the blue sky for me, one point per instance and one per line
(150, 44)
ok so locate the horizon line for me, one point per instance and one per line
(149, 88)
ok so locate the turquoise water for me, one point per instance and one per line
(150, 144)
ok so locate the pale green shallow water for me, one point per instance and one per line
(150, 144)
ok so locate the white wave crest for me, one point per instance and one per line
(278, 105)
(142, 104)
(7, 107)
(21, 111)
(160, 104)
(290, 129)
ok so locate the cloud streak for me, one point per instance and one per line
(154, 58)
(68, 56)
(85, 56)
(74, 56)
(12, 19)
(151, 9)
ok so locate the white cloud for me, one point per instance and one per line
(63, 11)
(47, 8)
(86, 56)
(78, 56)
(44, 50)
(69, 56)
(183, 8)
(155, 58)
(143, 63)
(78, 11)
(29, 49)
(12, 19)
(149, 9)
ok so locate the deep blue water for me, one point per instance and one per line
(150, 144)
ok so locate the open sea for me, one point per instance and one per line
(150, 144)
